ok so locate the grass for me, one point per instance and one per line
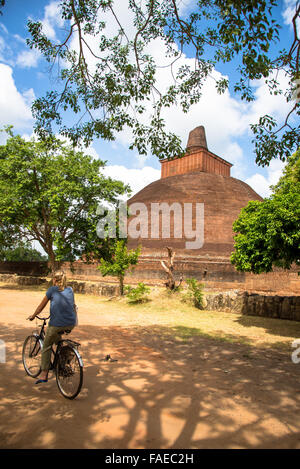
(184, 321)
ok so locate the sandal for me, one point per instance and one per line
(41, 381)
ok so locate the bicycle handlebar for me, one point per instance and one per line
(42, 319)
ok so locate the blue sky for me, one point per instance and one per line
(24, 76)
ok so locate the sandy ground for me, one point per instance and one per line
(161, 393)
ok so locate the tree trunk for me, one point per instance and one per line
(121, 284)
(169, 269)
(51, 255)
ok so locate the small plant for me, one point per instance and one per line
(120, 261)
(194, 293)
(138, 294)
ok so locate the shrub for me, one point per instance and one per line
(138, 294)
(120, 261)
(194, 293)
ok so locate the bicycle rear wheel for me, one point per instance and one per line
(31, 355)
(69, 371)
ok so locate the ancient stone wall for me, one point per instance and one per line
(217, 275)
(254, 304)
(24, 268)
(90, 288)
(22, 280)
(283, 307)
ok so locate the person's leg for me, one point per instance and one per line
(51, 337)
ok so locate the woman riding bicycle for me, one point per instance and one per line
(62, 317)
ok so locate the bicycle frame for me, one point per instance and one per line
(41, 336)
(65, 359)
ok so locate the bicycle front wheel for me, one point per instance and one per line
(31, 355)
(69, 372)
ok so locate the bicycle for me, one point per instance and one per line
(66, 361)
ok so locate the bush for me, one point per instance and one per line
(194, 293)
(138, 294)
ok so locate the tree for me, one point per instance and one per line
(50, 194)
(121, 260)
(21, 252)
(269, 231)
(109, 75)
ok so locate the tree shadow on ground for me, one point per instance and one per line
(161, 393)
(280, 327)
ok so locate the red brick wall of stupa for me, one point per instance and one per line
(196, 160)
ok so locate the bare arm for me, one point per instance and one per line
(40, 308)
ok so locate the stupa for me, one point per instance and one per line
(199, 177)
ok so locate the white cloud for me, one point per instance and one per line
(29, 96)
(141, 160)
(52, 19)
(233, 153)
(225, 117)
(2, 47)
(265, 103)
(289, 12)
(19, 38)
(184, 6)
(261, 184)
(28, 58)
(14, 106)
(6, 52)
(4, 28)
(136, 178)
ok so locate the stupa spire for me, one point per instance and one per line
(197, 139)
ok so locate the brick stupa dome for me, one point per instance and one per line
(199, 177)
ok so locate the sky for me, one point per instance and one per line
(24, 76)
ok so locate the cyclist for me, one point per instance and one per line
(62, 317)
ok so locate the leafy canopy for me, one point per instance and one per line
(269, 231)
(50, 193)
(109, 75)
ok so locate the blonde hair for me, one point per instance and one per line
(61, 279)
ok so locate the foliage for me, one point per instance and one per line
(22, 252)
(194, 293)
(119, 262)
(109, 76)
(269, 231)
(50, 194)
(138, 294)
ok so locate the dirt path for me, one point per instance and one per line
(161, 393)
